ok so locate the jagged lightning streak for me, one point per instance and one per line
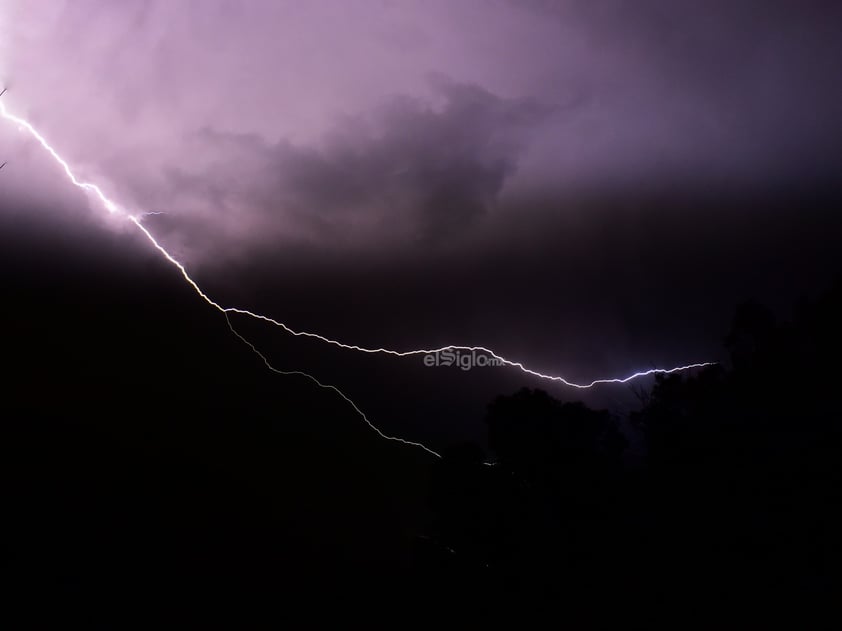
(329, 387)
(135, 219)
(481, 349)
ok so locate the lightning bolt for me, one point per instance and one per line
(135, 219)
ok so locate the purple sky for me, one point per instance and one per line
(590, 186)
(361, 124)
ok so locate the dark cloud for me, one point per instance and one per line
(412, 171)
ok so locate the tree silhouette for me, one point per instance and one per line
(736, 505)
(536, 522)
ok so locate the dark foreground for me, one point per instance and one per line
(200, 487)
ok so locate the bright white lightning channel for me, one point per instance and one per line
(135, 219)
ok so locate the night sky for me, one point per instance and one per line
(588, 187)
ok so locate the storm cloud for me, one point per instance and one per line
(260, 124)
(412, 171)
(530, 127)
